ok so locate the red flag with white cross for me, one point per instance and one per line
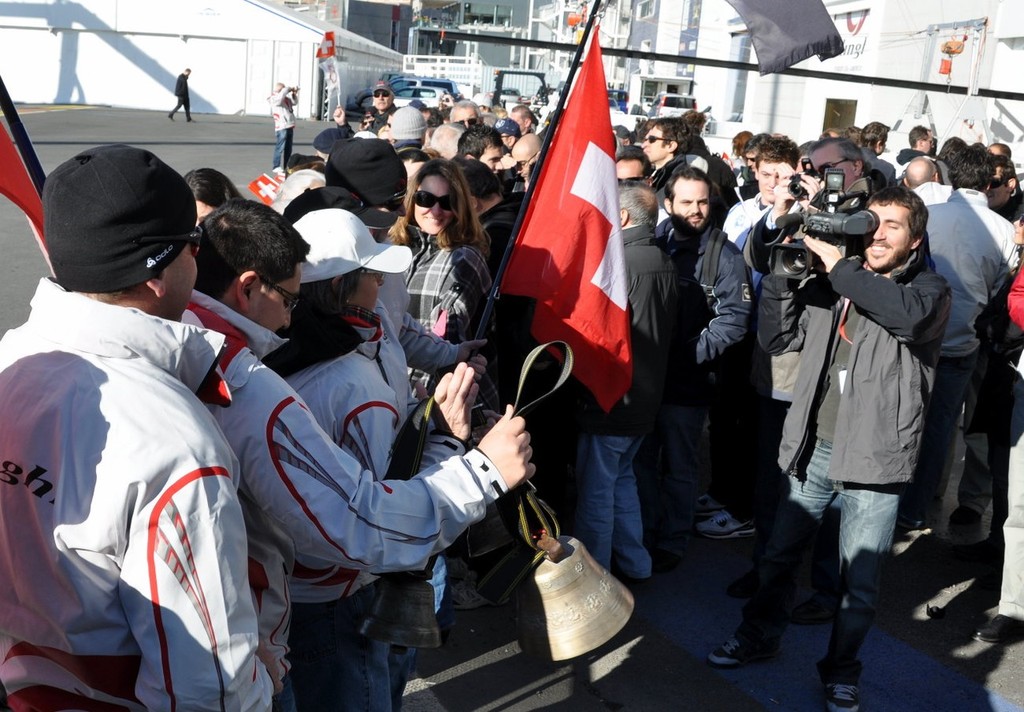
(265, 187)
(569, 252)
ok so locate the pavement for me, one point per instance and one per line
(913, 660)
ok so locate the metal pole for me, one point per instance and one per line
(549, 136)
(21, 139)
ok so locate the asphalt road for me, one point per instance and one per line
(912, 661)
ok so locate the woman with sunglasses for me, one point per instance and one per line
(448, 279)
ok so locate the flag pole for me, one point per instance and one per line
(549, 135)
(21, 139)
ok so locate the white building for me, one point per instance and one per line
(884, 38)
(128, 53)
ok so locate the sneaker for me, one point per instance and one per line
(706, 504)
(722, 525)
(465, 597)
(733, 654)
(840, 697)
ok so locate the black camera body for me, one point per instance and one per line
(840, 220)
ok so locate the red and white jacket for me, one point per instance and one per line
(333, 511)
(122, 547)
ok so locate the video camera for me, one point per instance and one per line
(839, 220)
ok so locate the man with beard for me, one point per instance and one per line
(711, 317)
(870, 331)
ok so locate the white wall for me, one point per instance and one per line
(128, 53)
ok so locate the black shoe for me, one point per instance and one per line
(190, 120)
(171, 117)
(964, 516)
(810, 612)
(982, 552)
(733, 653)
(663, 561)
(745, 586)
(1000, 629)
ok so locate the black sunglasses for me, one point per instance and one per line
(381, 92)
(428, 200)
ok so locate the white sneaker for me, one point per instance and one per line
(706, 504)
(722, 525)
(465, 596)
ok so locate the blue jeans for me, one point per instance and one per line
(668, 501)
(282, 147)
(607, 504)
(952, 376)
(334, 667)
(865, 537)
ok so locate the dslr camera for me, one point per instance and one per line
(838, 219)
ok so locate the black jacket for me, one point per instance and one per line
(704, 332)
(653, 300)
(181, 86)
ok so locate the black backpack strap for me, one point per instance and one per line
(709, 265)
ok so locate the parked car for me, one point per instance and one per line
(443, 84)
(667, 104)
(431, 96)
(620, 97)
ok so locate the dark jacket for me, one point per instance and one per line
(907, 155)
(719, 172)
(653, 297)
(181, 86)
(891, 365)
(703, 333)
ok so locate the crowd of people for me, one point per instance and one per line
(207, 474)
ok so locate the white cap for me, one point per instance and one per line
(339, 243)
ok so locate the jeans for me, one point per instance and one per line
(282, 147)
(336, 668)
(952, 376)
(668, 501)
(865, 537)
(607, 503)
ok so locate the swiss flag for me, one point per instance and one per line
(18, 187)
(326, 48)
(265, 187)
(569, 253)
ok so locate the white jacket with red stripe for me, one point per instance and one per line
(122, 547)
(333, 510)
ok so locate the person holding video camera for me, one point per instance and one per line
(869, 328)
(282, 107)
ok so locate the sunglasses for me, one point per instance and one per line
(195, 239)
(290, 299)
(651, 139)
(998, 182)
(381, 92)
(379, 276)
(468, 122)
(428, 200)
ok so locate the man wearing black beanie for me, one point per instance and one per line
(122, 543)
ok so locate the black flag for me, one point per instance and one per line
(785, 32)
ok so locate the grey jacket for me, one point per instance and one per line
(892, 366)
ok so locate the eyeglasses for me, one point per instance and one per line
(825, 166)
(290, 300)
(472, 121)
(649, 138)
(381, 92)
(633, 180)
(379, 276)
(428, 200)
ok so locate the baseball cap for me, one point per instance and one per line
(339, 243)
(369, 168)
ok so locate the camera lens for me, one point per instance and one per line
(796, 188)
(793, 262)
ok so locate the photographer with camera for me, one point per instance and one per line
(282, 108)
(869, 330)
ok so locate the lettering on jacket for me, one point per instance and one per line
(11, 473)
